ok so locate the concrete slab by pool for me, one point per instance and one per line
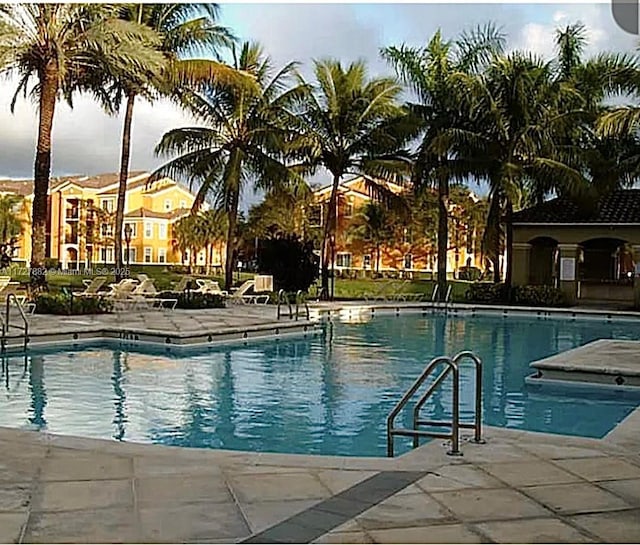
(605, 361)
(519, 487)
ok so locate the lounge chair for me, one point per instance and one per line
(209, 286)
(91, 287)
(183, 284)
(15, 289)
(240, 295)
(145, 296)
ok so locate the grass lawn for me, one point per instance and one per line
(356, 289)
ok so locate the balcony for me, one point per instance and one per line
(71, 239)
(72, 214)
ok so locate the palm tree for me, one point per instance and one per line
(58, 44)
(429, 72)
(186, 238)
(242, 139)
(211, 227)
(353, 124)
(519, 113)
(184, 30)
(10, 222)
(373, 226)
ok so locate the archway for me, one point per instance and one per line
(543, 261)
(72, 258)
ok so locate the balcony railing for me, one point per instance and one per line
(71, 239)
(72, 213)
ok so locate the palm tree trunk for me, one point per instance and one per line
(125, 154)
(231, 240)
(329, 229)
(42, 171)
(443, 235)
(508, 279)
(377, 259)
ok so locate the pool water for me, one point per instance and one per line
(325, 395)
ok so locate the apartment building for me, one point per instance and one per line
(411, 253)
(82, 218)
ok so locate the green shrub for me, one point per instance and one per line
(532, 296)
(51, 263)
(485, 292)
(63, 303)
(194, 301)
(290, 260)
(538, 296)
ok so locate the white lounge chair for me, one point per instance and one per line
(91, 287)
(209, 286)
(240, 295)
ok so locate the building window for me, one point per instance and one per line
(106, 255)
(133, 227)
(315, 215)
(148, 229)
(148, 254)
(107, 205)
(343, 260)
(106, 230)
(183, 204)
(408, 261)
(348, 210)
(366, 261)
(162, 231)
(162, 255)
(167, 205)
(132, 255)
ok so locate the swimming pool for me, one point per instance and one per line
(324, 395)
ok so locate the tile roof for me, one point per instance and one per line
(146, 213)
(622, 206)
(18, 187)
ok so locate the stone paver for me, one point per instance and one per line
(533, 531)
(594, 470)
(477, 505)
(518, 474)
(616, 527)
(284, 486)
(576, 498)
(445, 533)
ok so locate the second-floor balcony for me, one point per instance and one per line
(71, 238)
(72, 213)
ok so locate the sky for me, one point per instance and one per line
(86, 141)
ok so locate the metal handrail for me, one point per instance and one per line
(25, 328)
(447, 297)
(434, 293)
(300, 298)
(281, 300)
(477, 424)
(453, 436)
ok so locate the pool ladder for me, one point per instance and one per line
(5, 323)
(451, 367)
(300, 304)
(441, 304)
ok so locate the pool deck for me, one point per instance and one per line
(518, 487)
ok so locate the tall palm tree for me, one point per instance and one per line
(184, 30)
(373, 226)
(429, 72)
(353, 124)
(242, 139)
(212, 228)
(186, 238)
(10, 222)
(55, 45)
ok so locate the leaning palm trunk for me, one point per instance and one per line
(231, 241)
(125, 154)
(42, 171)
(508, 217)
(329, 229)
(443, 235)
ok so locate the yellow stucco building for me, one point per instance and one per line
(410, 254)
(80, 230)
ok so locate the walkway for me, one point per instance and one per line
(519, 487)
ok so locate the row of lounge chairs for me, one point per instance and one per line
(393, 291)
(142, 294)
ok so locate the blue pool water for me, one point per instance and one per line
(324, 395)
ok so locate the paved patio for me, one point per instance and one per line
(518, 487)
